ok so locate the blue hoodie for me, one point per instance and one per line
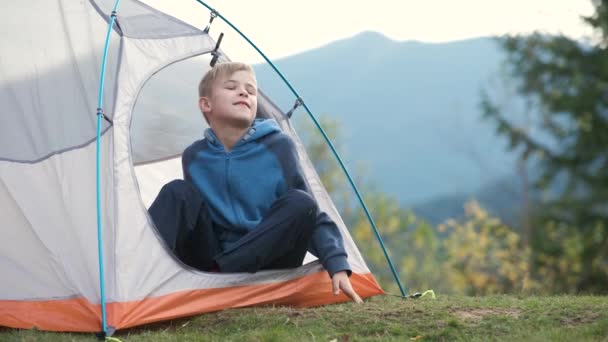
(239, 186)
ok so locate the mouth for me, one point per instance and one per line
(242, 103)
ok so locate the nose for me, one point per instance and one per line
(243, 92)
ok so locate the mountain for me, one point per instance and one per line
(407, 109)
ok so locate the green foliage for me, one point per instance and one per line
(484, 256)
(478, 255)
(564, 82)
(562, 253)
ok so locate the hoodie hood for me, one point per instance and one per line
(259, 129)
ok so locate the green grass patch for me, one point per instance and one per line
(382, 318)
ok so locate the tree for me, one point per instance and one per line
(566, 83)
(483, 255)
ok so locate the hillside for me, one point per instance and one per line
(408, 109)
(496, 318)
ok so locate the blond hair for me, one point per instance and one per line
(219, 70)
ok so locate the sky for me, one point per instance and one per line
(286, 27)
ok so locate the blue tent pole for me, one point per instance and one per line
(327, 140)
(100, 114)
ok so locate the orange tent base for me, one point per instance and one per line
(78, 314)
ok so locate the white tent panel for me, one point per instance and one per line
(48, 220)
(137, 245)
(151, 177)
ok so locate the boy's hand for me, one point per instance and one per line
(340, 282)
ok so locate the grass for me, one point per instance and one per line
(382, 318)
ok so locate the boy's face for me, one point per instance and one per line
(233, 100)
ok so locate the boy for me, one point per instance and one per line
(243, 204)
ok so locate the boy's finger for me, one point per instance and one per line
(336, 286)
(348, 290)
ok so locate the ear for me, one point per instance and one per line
(204, 104)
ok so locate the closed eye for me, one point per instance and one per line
(230, 84)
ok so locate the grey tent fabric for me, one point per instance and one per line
(167, 111)
(49, 93)
(138, 20)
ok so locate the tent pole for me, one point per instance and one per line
(327, 140)
(101, 115)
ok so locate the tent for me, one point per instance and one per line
(53, 278)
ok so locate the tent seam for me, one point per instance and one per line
(105, 17)
(51, 154)
(118, 29)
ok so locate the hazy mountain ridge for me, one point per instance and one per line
(407, 109)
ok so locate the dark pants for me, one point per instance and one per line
(280, 240)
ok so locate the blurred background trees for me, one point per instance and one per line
(565, 85)
(474, 255)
